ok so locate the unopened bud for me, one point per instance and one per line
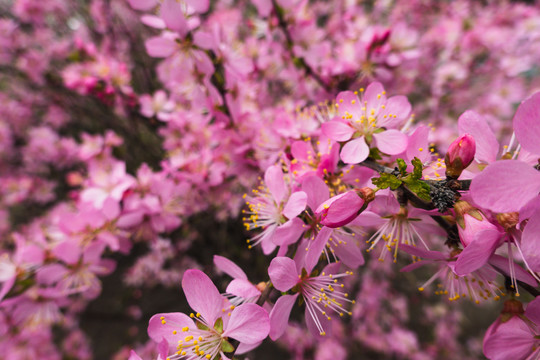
(460, 154)
(344, 208)
(471, 221)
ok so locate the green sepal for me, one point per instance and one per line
(375, 154)
(387, 181)
(218, 326)
(304, 273)
(201, 326)
(226, 346)
(402, 166)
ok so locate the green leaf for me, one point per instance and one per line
(226, 346)
(387, 181)
(418, 167)
(420, 188)
(218, 326)
(402, 166)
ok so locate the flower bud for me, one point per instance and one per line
(460, 154)
(344, 208)
(471, 221)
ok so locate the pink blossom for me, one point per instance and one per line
(205, 335)
(322, 294)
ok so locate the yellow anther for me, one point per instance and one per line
(185, 328)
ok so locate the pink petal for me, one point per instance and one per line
(173, 15)
(282, 272)
(418, 145)
(158, 330)
(348, 252)
(153, 21)
(279, 316)
(302, 150)
(502, 264)
(229, 267)
(477, 253)
(202, 295)
(249, 324)
(273, 178)
(533, 311)
(526, 123)
(243, 288)
(355, 151)
(199, 6)
(391, 142)
(316, 190)
(142, 4)
(511, 340)
(374, 98)
(487, 145)
(422, 253)
(133, 355)
(295, 205)
(505, 186)
(349, 104)
(530, 244)
(50, 274)
(289, 232)
(337, 131)
(68, 251)
(205, 40)
(160, 47)
(396, 105)
(316, 247)
(264, 7)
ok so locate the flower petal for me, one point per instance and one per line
(161, 326)
(289, 232)
(249, 324)
(355, 151)
(282, 272)
(505, 186)
(279, 316)
(315, 248)
(160, 47)
(295, 205)
(511, 340)
(202, 295)
(273, 178)
(397, 110)
(418, 145)
(526, 124)
(173, 15)
(316, 190)
(477, 253)
(487, 145)
(533, 311)
(243, 288)
(229, 267)
(530, 246)
(391, 142)
(337, 131)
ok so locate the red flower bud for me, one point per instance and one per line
(344, 208)
(460, 154)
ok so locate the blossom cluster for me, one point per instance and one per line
(376, 153)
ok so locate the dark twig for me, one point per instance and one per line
(298, 61)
